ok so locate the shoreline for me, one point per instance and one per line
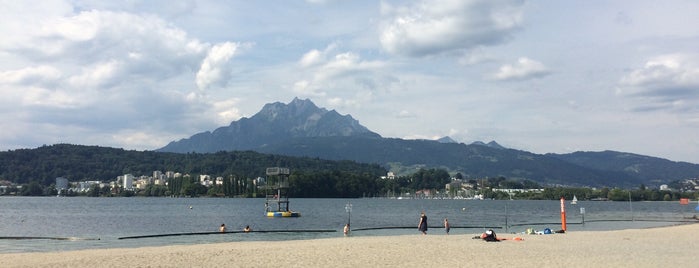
(648, 247)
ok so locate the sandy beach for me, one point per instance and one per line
(675, 246)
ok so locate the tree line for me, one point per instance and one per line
(36, 169)
(342, 185)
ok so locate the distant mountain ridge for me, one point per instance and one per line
(274, 123)
(300, 128)
(647, 168)
(491, 144)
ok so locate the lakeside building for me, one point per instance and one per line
(61, 184)
(127, 180)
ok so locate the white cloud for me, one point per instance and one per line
(315, 56)
(22, 20)
(328, 73)
(103, 74)
(405, 114)
(109, 70)
(141, 137)
(475, 56)
(41, 97)
(214, 69)
(311, 58)
(305, 88)
(227, 111)
(104, 35)
(138, 74)
(525, 68)
(437, 27)
(42, 75)
(664, 82)
(661, 71)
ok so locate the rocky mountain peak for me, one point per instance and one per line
(275, 123)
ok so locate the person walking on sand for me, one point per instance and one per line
(446, 225)
(422, 225)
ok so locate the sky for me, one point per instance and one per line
(543, 76)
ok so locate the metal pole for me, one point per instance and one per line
(630, 206)
(348, 208)
(507, 211)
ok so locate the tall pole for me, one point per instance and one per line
(630, 206)
(348, 208)
(507, 212)
(563, 213)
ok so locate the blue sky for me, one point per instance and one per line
(542, 76)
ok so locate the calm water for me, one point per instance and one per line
(104, 220)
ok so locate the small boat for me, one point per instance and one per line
(575, 200)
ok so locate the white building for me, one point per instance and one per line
(84, 186)
(389, 176)
(205, 180)
(128, 181)
(61, 184)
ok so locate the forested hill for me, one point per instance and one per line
(300, 128)
(79, 163)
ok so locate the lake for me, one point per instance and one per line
(101, 222)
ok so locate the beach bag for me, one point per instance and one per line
(547, 231)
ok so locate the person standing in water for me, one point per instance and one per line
(422, 225)
(446, 225)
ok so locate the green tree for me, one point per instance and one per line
(32, 189)
(94, 190)
(618, 195)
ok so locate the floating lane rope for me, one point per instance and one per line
(413, 227)
(229, 232)
(46, 238)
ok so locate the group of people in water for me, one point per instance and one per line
(489, 235)
(222, 228)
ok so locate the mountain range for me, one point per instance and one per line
(300, 128)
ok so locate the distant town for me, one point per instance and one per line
(175, 184)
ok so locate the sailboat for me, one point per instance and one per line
(575, 200)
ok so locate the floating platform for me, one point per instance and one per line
(283, 214)
(277, 193)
